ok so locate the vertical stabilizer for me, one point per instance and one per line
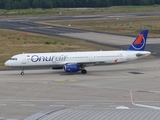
(140, 42)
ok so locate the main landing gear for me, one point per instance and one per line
(83, 71)
(22, 73)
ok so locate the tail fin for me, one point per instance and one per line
(140, 42)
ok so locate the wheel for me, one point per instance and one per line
(83, 71)
(22, 73)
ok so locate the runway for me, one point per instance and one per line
(105, 87)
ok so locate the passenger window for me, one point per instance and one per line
(13, 59)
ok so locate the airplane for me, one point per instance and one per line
(141, 105)
(77, 61)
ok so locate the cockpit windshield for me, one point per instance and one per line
(13, 59)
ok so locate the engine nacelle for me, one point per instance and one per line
(71, 68)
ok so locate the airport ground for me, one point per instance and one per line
(104, 87)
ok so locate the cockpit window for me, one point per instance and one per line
(13, 59)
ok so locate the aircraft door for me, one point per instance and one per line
(23, 59)
(90, 57)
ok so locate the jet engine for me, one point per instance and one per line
(71, 68)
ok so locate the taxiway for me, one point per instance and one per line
(103, 87)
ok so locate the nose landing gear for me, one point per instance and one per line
(22, 73)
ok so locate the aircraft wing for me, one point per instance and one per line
(141, 105)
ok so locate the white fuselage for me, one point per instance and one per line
(62, 58)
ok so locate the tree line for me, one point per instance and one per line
(24, 4)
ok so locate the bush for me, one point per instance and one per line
(47, 43)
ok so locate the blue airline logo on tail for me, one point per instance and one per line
(140, 41)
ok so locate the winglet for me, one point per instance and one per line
(140, 42)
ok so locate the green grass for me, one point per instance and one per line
(51, 42)
(78, 11)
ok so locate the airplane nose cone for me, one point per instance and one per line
(7, 63)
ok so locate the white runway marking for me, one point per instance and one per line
(106, 103)
(63, 103)
(122, 107)
(20, 102)
(57, 105)
(86, 105)
(3, 104)
(28, 105)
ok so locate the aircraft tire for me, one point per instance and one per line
(83, 71)
(22, 73)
